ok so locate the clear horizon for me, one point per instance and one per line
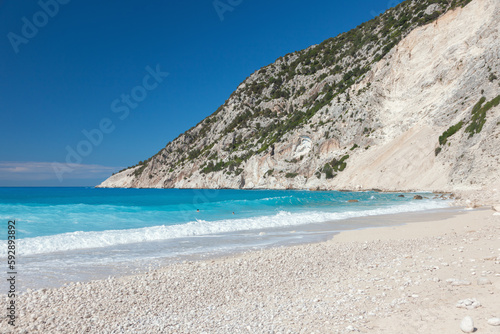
(102, 87)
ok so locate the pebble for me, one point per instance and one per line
(483, 281)
(467, 325)
(459, 282)
(469, 303)
(494, 321)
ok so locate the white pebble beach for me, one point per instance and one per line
(423, 277)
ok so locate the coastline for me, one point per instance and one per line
(53, 270)
(377, 280)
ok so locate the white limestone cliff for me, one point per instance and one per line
(388, 122)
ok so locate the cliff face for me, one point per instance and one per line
(407, 101)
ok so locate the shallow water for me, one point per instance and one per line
(77, 234)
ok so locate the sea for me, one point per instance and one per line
(80, 234)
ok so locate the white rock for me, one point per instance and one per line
(494, 321)
(424, 88)
(467, 325)
(432, 8)
(483, 281)
(469, 303)
(460, 283)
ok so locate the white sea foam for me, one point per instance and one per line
(86, 240)
(275, 198)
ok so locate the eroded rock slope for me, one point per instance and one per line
(406, 101)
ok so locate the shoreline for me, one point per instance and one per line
(376, 280)
(229, 244)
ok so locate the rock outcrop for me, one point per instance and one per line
(407, 101)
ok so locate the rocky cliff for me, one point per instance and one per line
(406, 101)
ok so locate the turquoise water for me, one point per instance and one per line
(66, 232)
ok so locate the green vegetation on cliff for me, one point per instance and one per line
(289, 93)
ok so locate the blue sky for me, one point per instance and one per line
(86, 83)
